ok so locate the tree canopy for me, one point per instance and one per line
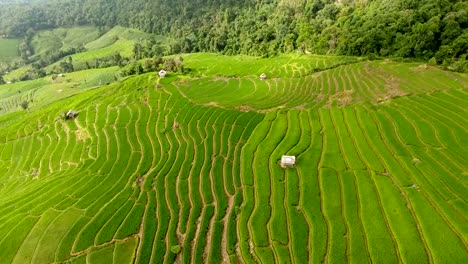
(435, 30)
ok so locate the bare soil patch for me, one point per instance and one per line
(422, 67)
(82, 134)
(342, 98)
(245, 108)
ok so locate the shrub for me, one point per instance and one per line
(176, 249)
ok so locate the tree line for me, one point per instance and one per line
(430, 30)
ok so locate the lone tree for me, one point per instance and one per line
(24, 105)
(176, 249)
(67, 65)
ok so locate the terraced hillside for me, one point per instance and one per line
(63, 39)
(185, 169)
(41, 92)
(95, 45)
(118, 40)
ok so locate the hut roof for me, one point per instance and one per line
(288, 161)
(71, 114)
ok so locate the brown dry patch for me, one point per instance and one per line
(215, 104)
(301, 107)
(82, 134)
(376, 70)
(245, 108)
(392, 90)
(35, 173)
(144, 100)
(392, 84)
(181, 239)
(139, 181)
(319, 98)
(251, 247)
(342, 98)
(101, 246)
(393, 87)
(272, 109)
(221, 78)
(183, 82)
(224, 240)
(175, 125)
(193, 242)
(422, 67)
(70, 163)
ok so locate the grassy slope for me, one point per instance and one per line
(8, 49)
(16, 74)
(63, 39)
(114, 35)
(380, 174)
(53, 40)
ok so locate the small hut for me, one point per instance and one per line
(162, 73)
(71, 114)
(263, 76)
(288, 161)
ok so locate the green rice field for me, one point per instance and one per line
(47, 90)
(185, 169)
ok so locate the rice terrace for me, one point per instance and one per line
(225, 157)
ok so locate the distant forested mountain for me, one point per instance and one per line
(435, 30)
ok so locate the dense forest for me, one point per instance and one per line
(430, 30)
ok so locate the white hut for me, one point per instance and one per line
(71, 114)
(288, 161)
(162, 73)
(263, 76)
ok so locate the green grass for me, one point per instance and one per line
(380, 174)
